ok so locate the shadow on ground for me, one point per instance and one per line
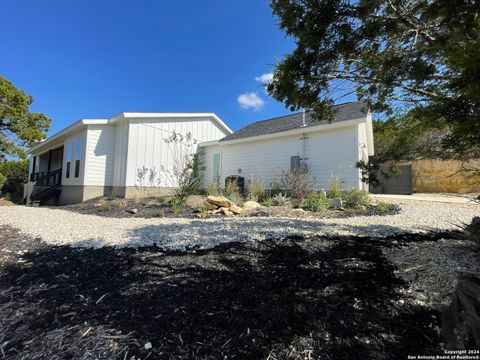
(334, 298)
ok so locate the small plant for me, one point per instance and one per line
(119, 203)
(296, 204)
(177, 205)
(275, 187)
(159, 214)
(136, 199)
(316, 202)
(213, 188)
(203, 209)
(163, 199)
(384, 207)
(280, 199)
(355, 199)
(256, 189)
(267, 202)
(104, 208)
(335, 191)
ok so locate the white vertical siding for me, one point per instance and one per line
(331, 153)
(149, 155)
(121, 151)
(100, 155)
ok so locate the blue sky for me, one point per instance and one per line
(91, 59)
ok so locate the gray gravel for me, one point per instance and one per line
(60, 227)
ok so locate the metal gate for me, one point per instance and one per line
(401, 184)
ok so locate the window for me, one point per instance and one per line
(68, 157)
(78, 156)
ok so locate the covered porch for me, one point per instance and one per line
(45, 176)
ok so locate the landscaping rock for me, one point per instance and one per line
(250, 205)
(336, 203)
(211, 206)
(195, 201)
(225, 211)
(235, 209)
(132, 211)
(220, 201)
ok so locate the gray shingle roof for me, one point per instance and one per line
(343, 112)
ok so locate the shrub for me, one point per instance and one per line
(335, 191)
(275, 187)
(159, 214)
(104, 208)
(186, 174)
(355, 199)
(280, 199)
(296, 204)
(213, 188)
(256, 189)
(298, 182)
(384, 207)
(203, 209)
(317, 202)
(13, 174)
(232, 189)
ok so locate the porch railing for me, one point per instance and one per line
(47, 178)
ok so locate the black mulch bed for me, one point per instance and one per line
(329, 298)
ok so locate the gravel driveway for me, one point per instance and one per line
(60, 227)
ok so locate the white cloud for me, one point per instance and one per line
(265, 78)
(250, 101)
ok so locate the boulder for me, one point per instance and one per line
(250, 205)
(210, 206)
(235, 209)
(336, 203)
(225, 211)
(220, 201)
(132, 211)
(195, 201)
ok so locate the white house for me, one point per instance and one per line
(263, 149)
(132, 154)
(127, 155)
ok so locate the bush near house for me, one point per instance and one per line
(316, 202)
(355, 199)
(13, 175)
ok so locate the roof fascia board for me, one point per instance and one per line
(75, 126)
(146, 115)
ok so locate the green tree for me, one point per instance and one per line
(18, 126)
(398, 55)
(14, 174)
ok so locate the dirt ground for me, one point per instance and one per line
(296, 298)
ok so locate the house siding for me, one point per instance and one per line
(331, 153)
(100, 155)
(149, 155)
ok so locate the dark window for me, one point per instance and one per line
(67, 174)
(77, 168)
